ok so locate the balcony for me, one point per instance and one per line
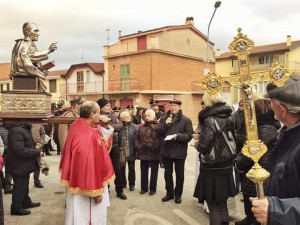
(82, 88)
(124, 85)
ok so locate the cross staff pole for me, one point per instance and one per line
(254, 148)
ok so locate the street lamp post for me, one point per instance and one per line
(217, 5)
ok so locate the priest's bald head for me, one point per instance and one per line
(90, 110)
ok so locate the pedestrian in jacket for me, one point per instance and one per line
(282, 204)
(147, 143)
(38, 135)
(267, 133)
(127, 149)
(115, 151)
(7, 183)
(177, 131)
(20, 162)
(215, 183)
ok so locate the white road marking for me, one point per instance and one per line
(131, 219)
(185, 217)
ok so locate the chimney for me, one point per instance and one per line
(120, 33)
(218, 52)
(288, 40)
(189, 21)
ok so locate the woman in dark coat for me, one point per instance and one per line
(147, 143)
(267, 133)
(215, 183)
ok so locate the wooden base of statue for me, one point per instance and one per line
(25, 107)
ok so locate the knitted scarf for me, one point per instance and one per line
(124, 148)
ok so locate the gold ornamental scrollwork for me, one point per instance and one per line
(212, 83)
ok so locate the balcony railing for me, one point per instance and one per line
(83, 87)
(126, 85)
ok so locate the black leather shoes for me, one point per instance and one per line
(143, 192)
(152, 192)
(38, 185)
(167, 198)
(20, 212)
(32, 205)
(178, 200)
(244, 221)
(122, 196)
(132, 188)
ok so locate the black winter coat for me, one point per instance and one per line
(21, 153)
(215, 182)
(267, 133)
(284, 183)
(182, 126)
(222, 114)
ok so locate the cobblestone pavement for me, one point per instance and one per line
(136, 210)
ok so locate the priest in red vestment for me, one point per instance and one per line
(86, 169)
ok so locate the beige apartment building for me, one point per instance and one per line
(261, 59)
(160, 64)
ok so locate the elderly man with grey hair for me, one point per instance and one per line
(127, 149)
(282, 204)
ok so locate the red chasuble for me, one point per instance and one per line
(85, 164)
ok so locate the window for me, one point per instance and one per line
(1, 87)
(52, 86)
(261, 87)
(7, 87)
(266, 59)
(125, 77)
(80, 80)
(88, 76)
(261, 60)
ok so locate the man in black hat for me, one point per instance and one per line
(116, 111)
(154, 105)
(117, 125)
(177, 131)
(282, 204)
(130, 109)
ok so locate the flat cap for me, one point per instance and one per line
(289, 92)
(79, 100)
(139, 108)
(153, 102)
(116, 109)
(174, 101)
(130, 107)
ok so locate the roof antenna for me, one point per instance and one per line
(107, 30)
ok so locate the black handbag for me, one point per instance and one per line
(223, 147)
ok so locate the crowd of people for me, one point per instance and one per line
(107, 142)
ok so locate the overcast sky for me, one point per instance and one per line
(79, 26)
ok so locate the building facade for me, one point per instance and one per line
(159, 64)
(261, 59)
(85, 79)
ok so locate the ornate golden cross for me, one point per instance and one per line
(254, 148)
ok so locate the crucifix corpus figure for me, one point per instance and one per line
(26, 59)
